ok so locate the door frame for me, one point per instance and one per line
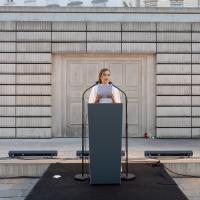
(59, 78)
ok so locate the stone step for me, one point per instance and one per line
(36, 167)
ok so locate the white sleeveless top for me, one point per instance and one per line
(93, 95)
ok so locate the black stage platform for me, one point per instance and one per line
(151, 183)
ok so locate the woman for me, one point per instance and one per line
(104, 78)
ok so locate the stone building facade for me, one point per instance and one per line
(48, 56)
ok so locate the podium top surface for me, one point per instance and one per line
(105, 104)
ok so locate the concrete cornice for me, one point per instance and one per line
(112, 14)
(46, 9)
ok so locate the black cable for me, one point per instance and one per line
(159, 183)
(185, 175)
(23, 158)
(42, 158)
(4, 158)
(158, 163)
(16, 177)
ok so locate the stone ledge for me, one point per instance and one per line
(16, 167)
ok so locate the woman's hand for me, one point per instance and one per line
(98, 97)
(111, 97)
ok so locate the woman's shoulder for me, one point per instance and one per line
(114, 88)
(95, 87)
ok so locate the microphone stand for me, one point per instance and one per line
(83, 176)
(126, 175)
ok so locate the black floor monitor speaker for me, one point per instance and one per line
(87, 153)
(41, 153)
(186, 153)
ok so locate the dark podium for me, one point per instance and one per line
(105, 133)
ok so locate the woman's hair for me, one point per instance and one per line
(101, 72)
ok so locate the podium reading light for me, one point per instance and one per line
(83, 176)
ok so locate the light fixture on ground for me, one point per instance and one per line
(32, 153)
(167, 153)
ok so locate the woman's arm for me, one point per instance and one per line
(94, 97)
(116, 96)
(98, 97)
(112, 98)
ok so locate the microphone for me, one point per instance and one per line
(126, 176)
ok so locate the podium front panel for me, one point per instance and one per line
(105, 133)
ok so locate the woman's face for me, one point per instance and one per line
(105, 77)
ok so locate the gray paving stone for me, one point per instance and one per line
(16, 189)
(190, 187)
